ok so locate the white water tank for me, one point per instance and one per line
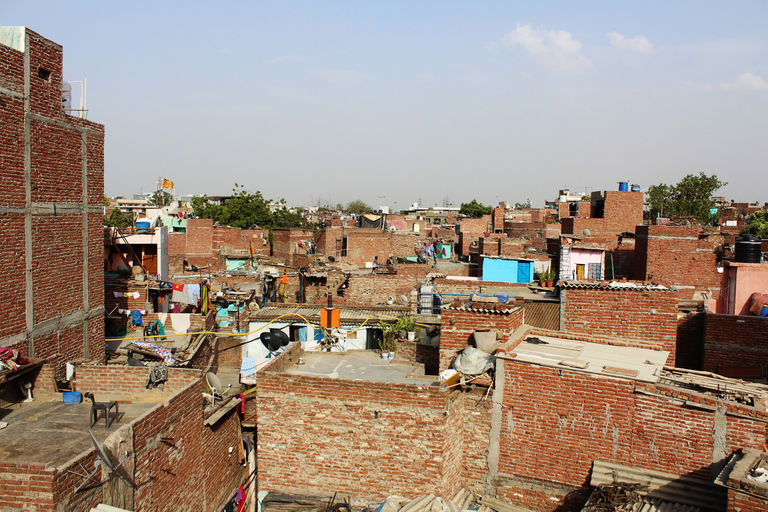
(66, 97)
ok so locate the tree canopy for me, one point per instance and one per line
(245, 210)
(160, 198)
(357, 207)
(474, 209)
(691, 197)
(757, 224)
(117, 219)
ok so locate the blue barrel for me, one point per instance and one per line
(623, 186)
(72, 397)
(635, 188)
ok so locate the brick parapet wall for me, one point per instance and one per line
(130, 383)
(376, 430)
(626, 422)
(637, 314)
(458, 326)
(690, 340)
(26, 486)
(735, 341)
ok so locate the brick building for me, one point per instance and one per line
(51, 208)
(633, 314)
(680, 257)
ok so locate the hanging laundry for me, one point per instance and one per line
(194, 293)
(178, 293)
(136, 295)
(137, 318)
(118, 294)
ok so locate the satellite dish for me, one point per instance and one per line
(253, 306)
(404, 299)
(331, 259)
(390, 300)
(269, 341)
(280, 336)
(686, 223)
(586, 232)
(100, 452)
(214, 382)
(222, 302)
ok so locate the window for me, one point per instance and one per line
(593, 271)
(44, 74)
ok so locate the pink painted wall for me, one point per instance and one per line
(582, 257)
(740, 281)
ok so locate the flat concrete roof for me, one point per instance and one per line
(53, 433)
(609, 360)
(362, 365)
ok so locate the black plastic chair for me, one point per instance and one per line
(101, 406)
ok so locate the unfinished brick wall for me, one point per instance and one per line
(403, 244)
(552, 415)
(690, 340)
(56, 190)
(649, 315)
(744, 502)
(735, 342)
(457, 326)
(285, 244)
(376, 289)
(621, 213)
(471, 230)
(680, 257)
(420, 353)
(362, 439)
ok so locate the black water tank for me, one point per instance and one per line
(748, 249)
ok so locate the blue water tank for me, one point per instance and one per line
(623, 186)
(635, 188)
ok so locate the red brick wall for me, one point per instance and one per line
(743, 502)
(554, 416)
(637, 314)
(26, 486)
(61, 149)
(735, 341)
(285, 240)
(199, 237)
(458, 325)
(471, 230)
(690, 341)
(676, 256)
(361, 439)
(623, 211)
(130, 382)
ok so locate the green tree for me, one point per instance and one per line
(357, 207)
(691, 197)
(757, 224)
(474, 209)
(246, 210)
(160, 198)
(117, 219)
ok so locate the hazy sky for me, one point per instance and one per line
(334, 101)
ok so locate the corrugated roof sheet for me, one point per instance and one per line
(614, 285)
(346, 315)
(542, 314)
(489, 309)
(667, 488)
(621, 362)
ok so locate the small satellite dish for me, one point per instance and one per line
(100, 452)
(331, 259)
(214, 382)
(269, 341)
(404, 299)
(253, 306)
(222, 302)
(280, 336)
(586, 232)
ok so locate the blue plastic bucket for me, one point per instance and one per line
(72, 397)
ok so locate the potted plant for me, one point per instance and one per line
(388, 343)
(409, 326)
(550, 277)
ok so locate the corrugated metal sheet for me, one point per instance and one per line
(662, 486)
(545, 315)
(723, 386)
(346, 315)
(614, 285)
